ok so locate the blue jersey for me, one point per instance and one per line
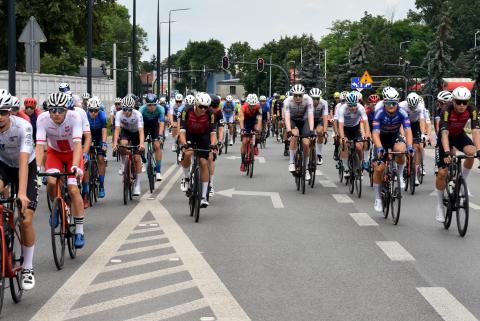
(265, 107)
(96, 125)
(228, 108)
(383, 122)
(153, 117)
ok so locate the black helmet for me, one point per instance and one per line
(151, 99)
(215, 101)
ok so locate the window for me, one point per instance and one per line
(233, 90)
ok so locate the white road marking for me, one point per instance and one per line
(327, 183)
(275, 197)
(153, 224)
(474, 206)
(150, 260)
(142, 224)
(363, 219)
(395, 251)
(318, 172)
(143, 249)
(115, 261)
(446, 305)
(144, 239)
(342, 198)
(174, 259)
(174, 311)
(135, 278)
(129, 299)
(207, 319)
(261, 159)
(146, 229)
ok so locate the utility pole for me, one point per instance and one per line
(89, 45)
(114, 63)
(12, 47)
(158, 48)
(134, 45)
(325, 73)
(270, 80)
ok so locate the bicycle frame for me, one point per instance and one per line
(9, 269)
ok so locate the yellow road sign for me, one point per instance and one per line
(366, 78)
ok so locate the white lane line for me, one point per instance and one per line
(146, 229)
(144, 239)
(395, 251)
(342, 198)
(221, 301)
(474, 206)
(135, 298)
(133, 279)
(318, 173)
(260, 159)
(58, 306)
(173, 311)
(145, 223)
(327, 183)
(143, 249)
(150, 260)
(363, 219)
(446, 305)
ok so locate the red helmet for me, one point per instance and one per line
(30, 102)
(373, 99)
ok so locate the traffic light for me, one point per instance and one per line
(260, 64)
(225, 62)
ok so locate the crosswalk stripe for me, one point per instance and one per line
(146, 229)
(116, 303)
(446, 305)
(144, 239)
(342, 198)
(133, 279)
(326, 183)
(143, 249)
(173, 311)
(363, 219)
(150, 260)
(395, 251)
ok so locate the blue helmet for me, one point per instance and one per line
(151, 99)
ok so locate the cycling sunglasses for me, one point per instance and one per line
(117, 104)
(461, 102)
(129, 110)
(93, 110)
(202, 107)
(30, 107)
(298, 95)
(4, 112)
(57, 110)
(391, 103)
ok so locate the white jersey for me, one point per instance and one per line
(378, 106)
(132, 123)
(16, 139)
(174, 107)
(300, 111)
(59, 137)
(335, 112)
(321, 109)
(83, 116)
(414, 115)
(351, 119)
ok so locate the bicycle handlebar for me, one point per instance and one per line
(56, 175)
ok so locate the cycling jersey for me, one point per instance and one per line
(320, 110)
(131, 123)
(251, 113)
(194, 124)
(300, 111)
(32, 119)
(59, 137)
(335, 111)
(383, 122)
(228, 108)
(173, 110)
(83, 116)
(96, 126)
(454, 122)
(351, 119)
(113, 110)
(16, 139)
(414, 115)
(152, 117)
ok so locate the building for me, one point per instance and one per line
(230, 87)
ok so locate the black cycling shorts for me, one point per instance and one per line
(416, 132)
(302, 126)
(352, 133)
(389, 140)
(9, 175)
(457, 141)
(200, 142)
(152, 130)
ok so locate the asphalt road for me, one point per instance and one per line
(261, 251)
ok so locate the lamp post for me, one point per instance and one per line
(12, 47)
(159, 56)
(476, 57)
(134, 45)
(89, 45)
(169, 46)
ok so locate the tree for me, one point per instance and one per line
(440, 55)
(237, 52)
(310, 69)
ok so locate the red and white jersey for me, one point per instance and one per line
(16, 139)
(85, 122)
(59, 137)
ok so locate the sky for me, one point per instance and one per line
(254, 21)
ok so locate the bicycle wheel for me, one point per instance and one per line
(150, 174)
(302, 178)
(420, 172)
(198, 194)
(340, 171)
(58, 232)
(462, 206)
(72, 250)
(2, 266)
(226, 141)
(252, 162)
(16, 260)
(49, 203)
(386, 198)
(406, 174)
(191, 192)
(396, 197)
(351, 178)
(358, 177)
(126, 180)
(448, 205)
(312, 167)
(133, 178)
(413, 173)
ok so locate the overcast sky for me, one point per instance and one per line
(255, 21)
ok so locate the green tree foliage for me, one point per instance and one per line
(310, 68)
(237, 52)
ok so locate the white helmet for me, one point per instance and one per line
(93, 103)
(5, 99)
(445, 96)
(298, 89)
(386, 89)
(178, 97)
(229, 98)
(86, 96)
(190, 100)
(117, 100)
(413, 99)
(461, 93)
(128, 102)
(343, 95)
(252, 99)
(391, 94)
(15, 102)
(162, 100)
(58, 99)
(352, 99)
(262, 98)
(203, 99)
(359, 95)
(315, 93)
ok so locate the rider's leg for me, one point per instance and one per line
(204, 176)
(158, 156)
(319, 142)
(101, 169)
(400, 160)
(293, 145)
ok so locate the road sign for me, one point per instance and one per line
(358, 85)
(366, 78)
(32, 32)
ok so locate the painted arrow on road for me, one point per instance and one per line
(260, 159)
(274, 196)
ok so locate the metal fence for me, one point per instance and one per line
(46, 84)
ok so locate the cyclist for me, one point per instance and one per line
(452, 134)
(352, 125)
(416, 112)
(18, 168)
(117, 106)
(129, 131)
(299, 121)
(265, 106)
(386, 135)
(61, 130)
(336, 140)
(197, 129)
(31, 112)
(98, 128)
(172, 116)
(64, 87)
(85, 98)
(217, 111)
(154, 125)
(320, 119)
(228, 110)
(250, 121)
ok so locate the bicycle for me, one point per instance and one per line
(300, 166)
(355, 168)
(280, 130)
(263, 137)
(312, 163)
(62, 225)
(194, 191)
(409, 174)
(129, 173)
(225, 145)
(391, 191)
(249, 160)
(94, 181)
(455, 196)
(151, 163)
(11, 258)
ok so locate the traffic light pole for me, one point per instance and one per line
(12, 47)
(267, 65)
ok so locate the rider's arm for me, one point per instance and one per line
(213, 131)
(288, 124)
(443, 130)
(26, 149)
(340, 122)
(88, 141)
(241, 118)
(116, 132)
(77, 141)
(364, 122)
(376, 131)
(182, 139)
(475, 126)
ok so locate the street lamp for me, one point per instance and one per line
(159, 56)
(134, 44)
(169, 45)
(476, 57)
